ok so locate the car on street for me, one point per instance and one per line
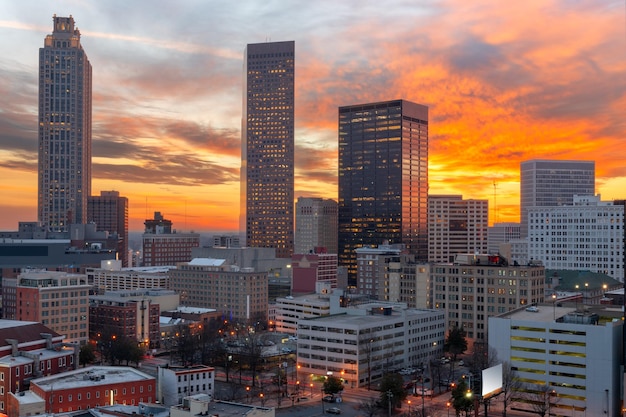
(328, 399)
(461, 363)
(333, 410)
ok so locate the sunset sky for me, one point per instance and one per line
(504, 82)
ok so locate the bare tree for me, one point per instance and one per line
(369, 407)
(251, 351)
(510, 386)
(540, 398)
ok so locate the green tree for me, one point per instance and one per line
(86, 355)
(462, 398)
(392, 388)
(455, 343)
(332, 385)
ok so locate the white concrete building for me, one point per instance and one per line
(574, 353)
(360, 343)
(291, 309)
(585, 236)
(175, 383)
(501, 233)
(112, 277)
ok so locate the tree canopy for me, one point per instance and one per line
(332, 385)
(455, 343)
(392, 388)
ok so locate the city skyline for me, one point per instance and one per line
(167, 94)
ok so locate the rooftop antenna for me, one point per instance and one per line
(495, 202)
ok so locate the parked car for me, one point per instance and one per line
(461, 363)
(329, 399)
(333, 410)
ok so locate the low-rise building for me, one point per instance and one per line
(361, 343)
(112, 277)
(576, 354)
(95, 386)
(177, 382)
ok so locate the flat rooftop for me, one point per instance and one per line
(92, 376)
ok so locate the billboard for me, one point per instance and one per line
(492, 381)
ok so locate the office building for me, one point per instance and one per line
(239, 293)
(267, 154)
(58, 300)
(383, 178)
(163, 246)
(575, 354)
(501, 233)
(476, 287)
(177, 382)
(547, 183)
(456, 226)
(109, 212)
(360, 344)
(378, 271)
(64, 177)
(584, 236)
(316, 225)
(288, 310)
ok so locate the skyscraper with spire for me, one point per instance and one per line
(64, 180)
(267, 146)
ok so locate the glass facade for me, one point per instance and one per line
(267, 157)
(383, 178)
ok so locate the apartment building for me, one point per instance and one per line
(178, 382)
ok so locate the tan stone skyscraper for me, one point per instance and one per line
(64, 181)
(267, 146)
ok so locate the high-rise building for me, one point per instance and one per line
(456, 226)
(383, 178)
(109, 212)
(64, 178)
(547, 183)
(316, 225)
(267, 146)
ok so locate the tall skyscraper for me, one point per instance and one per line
(383, 178)
(267, 146)
(547, 183)
(109, 212)
(316, 225)
(64, 128)
(456, 226)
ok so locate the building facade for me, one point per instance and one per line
(576, 355)
(163, 246)
(361, 344)
(316, 225)
(92, 387)
(547, 183)
(584, 236)
(109, 212)
(176, 383)
(133, 314)
(383, 178)
(240, 293)
(476, 287)
(313, 269)
(501, 233)
(30, 350)
(378, 271)
(456, 226)
(288, 310)
(56, 299)
(64, 174)
(112, 277)
(267, 154)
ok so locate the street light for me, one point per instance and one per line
(554, 305)
(389, 399)
(409, 407)
(448, 406)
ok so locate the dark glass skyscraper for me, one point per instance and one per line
(267, 146)
(64, 181)
(383, 178)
